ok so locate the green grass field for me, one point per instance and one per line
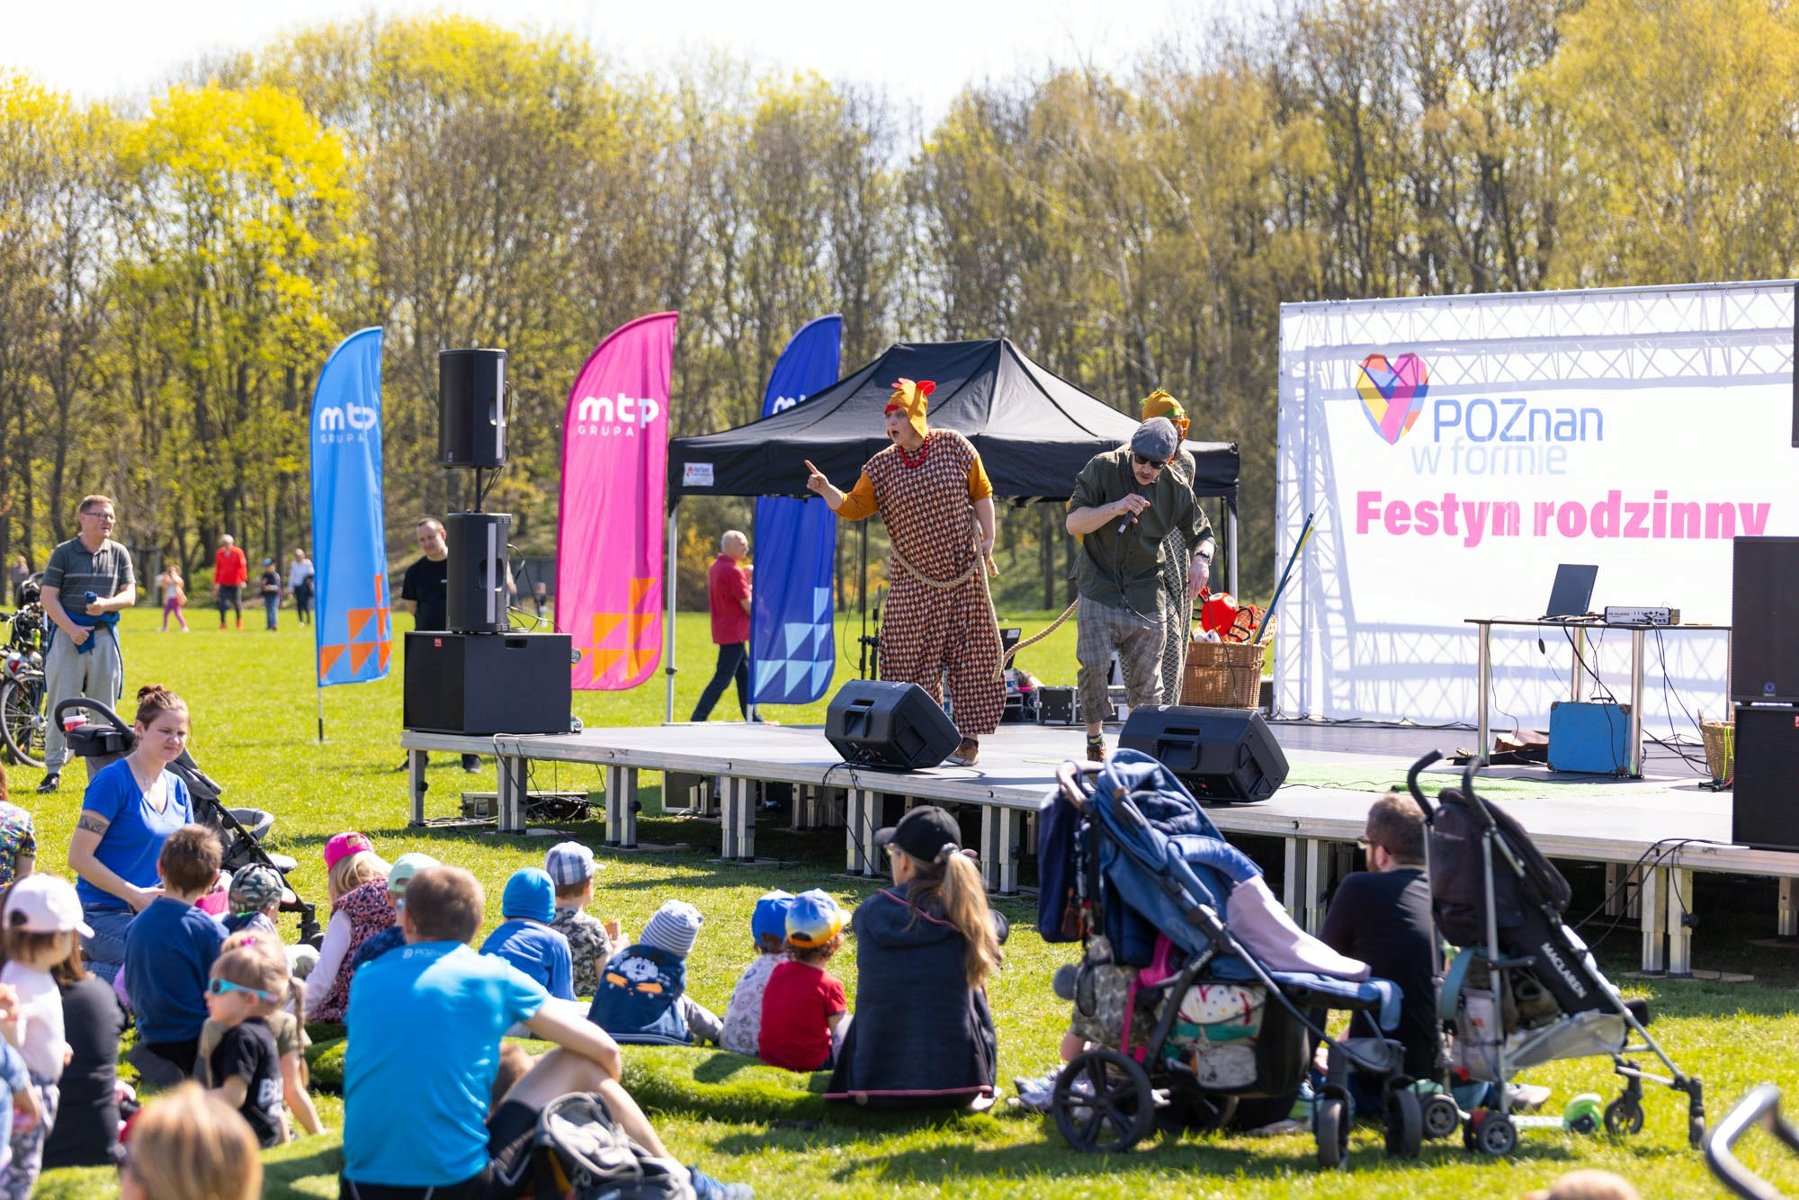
(253, 710)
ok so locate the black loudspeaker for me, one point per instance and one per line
(1764, 616)
(477, 600)
(894, 726)
(1764, 807)
(482, 683)
(1218, 753)
(471, 408)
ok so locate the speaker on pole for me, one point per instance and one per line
(477, 600)
(471, 408)
(1220, 754)
(894, 726)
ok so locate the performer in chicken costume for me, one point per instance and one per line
(934, 495)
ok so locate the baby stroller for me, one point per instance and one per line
(1523, 989)
(1194, 987)
(241, 830)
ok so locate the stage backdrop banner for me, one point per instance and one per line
(792, 649)
(610, 535)
(1456, 449)
(352, 622)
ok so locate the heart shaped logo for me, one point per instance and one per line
(1393, 393)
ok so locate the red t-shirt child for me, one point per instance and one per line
(796, 1012)
(728, 586)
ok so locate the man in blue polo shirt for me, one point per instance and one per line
(417, 1124)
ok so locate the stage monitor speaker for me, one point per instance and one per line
(477, 599)
(1764, 806)
(471, 408)
(1764, 618)
(484, 683)
(893, 726)
(1220, 754)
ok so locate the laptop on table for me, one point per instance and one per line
(1572, 596)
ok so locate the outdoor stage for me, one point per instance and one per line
(1651, 834)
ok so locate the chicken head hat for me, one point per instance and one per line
(1160, 404)
(911, 398)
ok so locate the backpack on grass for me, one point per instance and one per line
(577, 1153)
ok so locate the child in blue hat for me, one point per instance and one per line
(804, 1010)
(768, 930)
(525, 938)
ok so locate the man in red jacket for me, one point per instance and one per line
(230, 571)
(728, 587)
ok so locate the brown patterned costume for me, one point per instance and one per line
(924, 497)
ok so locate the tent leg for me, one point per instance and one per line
(668, 582)
(1232, 520)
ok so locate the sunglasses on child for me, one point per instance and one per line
(219, 987)
(1154, 464)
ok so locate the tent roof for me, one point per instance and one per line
(1034, 429)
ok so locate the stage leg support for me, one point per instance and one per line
(999, 849)
(1680, 934)
(1293, 874)
(863, 819)
(1316, 882)
(415, 784)
(511, 788)
(1614, 893)
(1787, 923)
(621, 807)
(1654, 920)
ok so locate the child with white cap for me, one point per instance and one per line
(804, 1012)
(642, 997)
(42, 918)
(591, 942)
(743, 1015)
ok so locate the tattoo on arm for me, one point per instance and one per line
(93, 824)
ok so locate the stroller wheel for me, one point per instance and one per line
(1330, 1129)
(1623, 1117)
(1441, 1117)
(1103, 1102)
(1493, 1133)
(1583, 1114)
(1405, 1124)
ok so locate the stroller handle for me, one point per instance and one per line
(1411, 781)
(1074, 780)
(1759, 1107)
(91, 705)
(1474, 801)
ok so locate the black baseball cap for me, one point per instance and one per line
(923, 833)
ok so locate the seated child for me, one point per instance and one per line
(768, 932)
(570, 867)
(255, 897)
(287, 1024)
(244, 1069)
(391, 938)
(14, 1075)
(356, 884)
(804, 1012)
(642, 997)
(525, 938)
(42, 919)
(170, 947)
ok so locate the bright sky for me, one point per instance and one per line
(922, 50)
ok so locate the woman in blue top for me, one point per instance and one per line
(130, 809)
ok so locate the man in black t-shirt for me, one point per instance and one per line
(1382, 916)
(425, 593)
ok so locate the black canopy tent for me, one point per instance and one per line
(1034, 431)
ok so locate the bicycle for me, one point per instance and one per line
(22, 688)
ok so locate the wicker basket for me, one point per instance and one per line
(1224, 674)
(1720, 748)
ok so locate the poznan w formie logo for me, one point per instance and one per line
(1392, 393)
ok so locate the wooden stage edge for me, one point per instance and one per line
(1650, 834)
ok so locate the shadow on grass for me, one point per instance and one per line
(280, 1171)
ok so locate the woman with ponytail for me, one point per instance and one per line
(130, 809)
(923, 1033)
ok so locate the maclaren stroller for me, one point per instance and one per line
(1523, 988)
(1194, 988)
(241, 830)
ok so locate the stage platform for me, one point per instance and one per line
(1651, 833)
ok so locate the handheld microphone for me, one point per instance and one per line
(1129, 520)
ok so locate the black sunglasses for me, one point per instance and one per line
(1154, 464)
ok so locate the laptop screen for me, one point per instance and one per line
(1572, 595)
